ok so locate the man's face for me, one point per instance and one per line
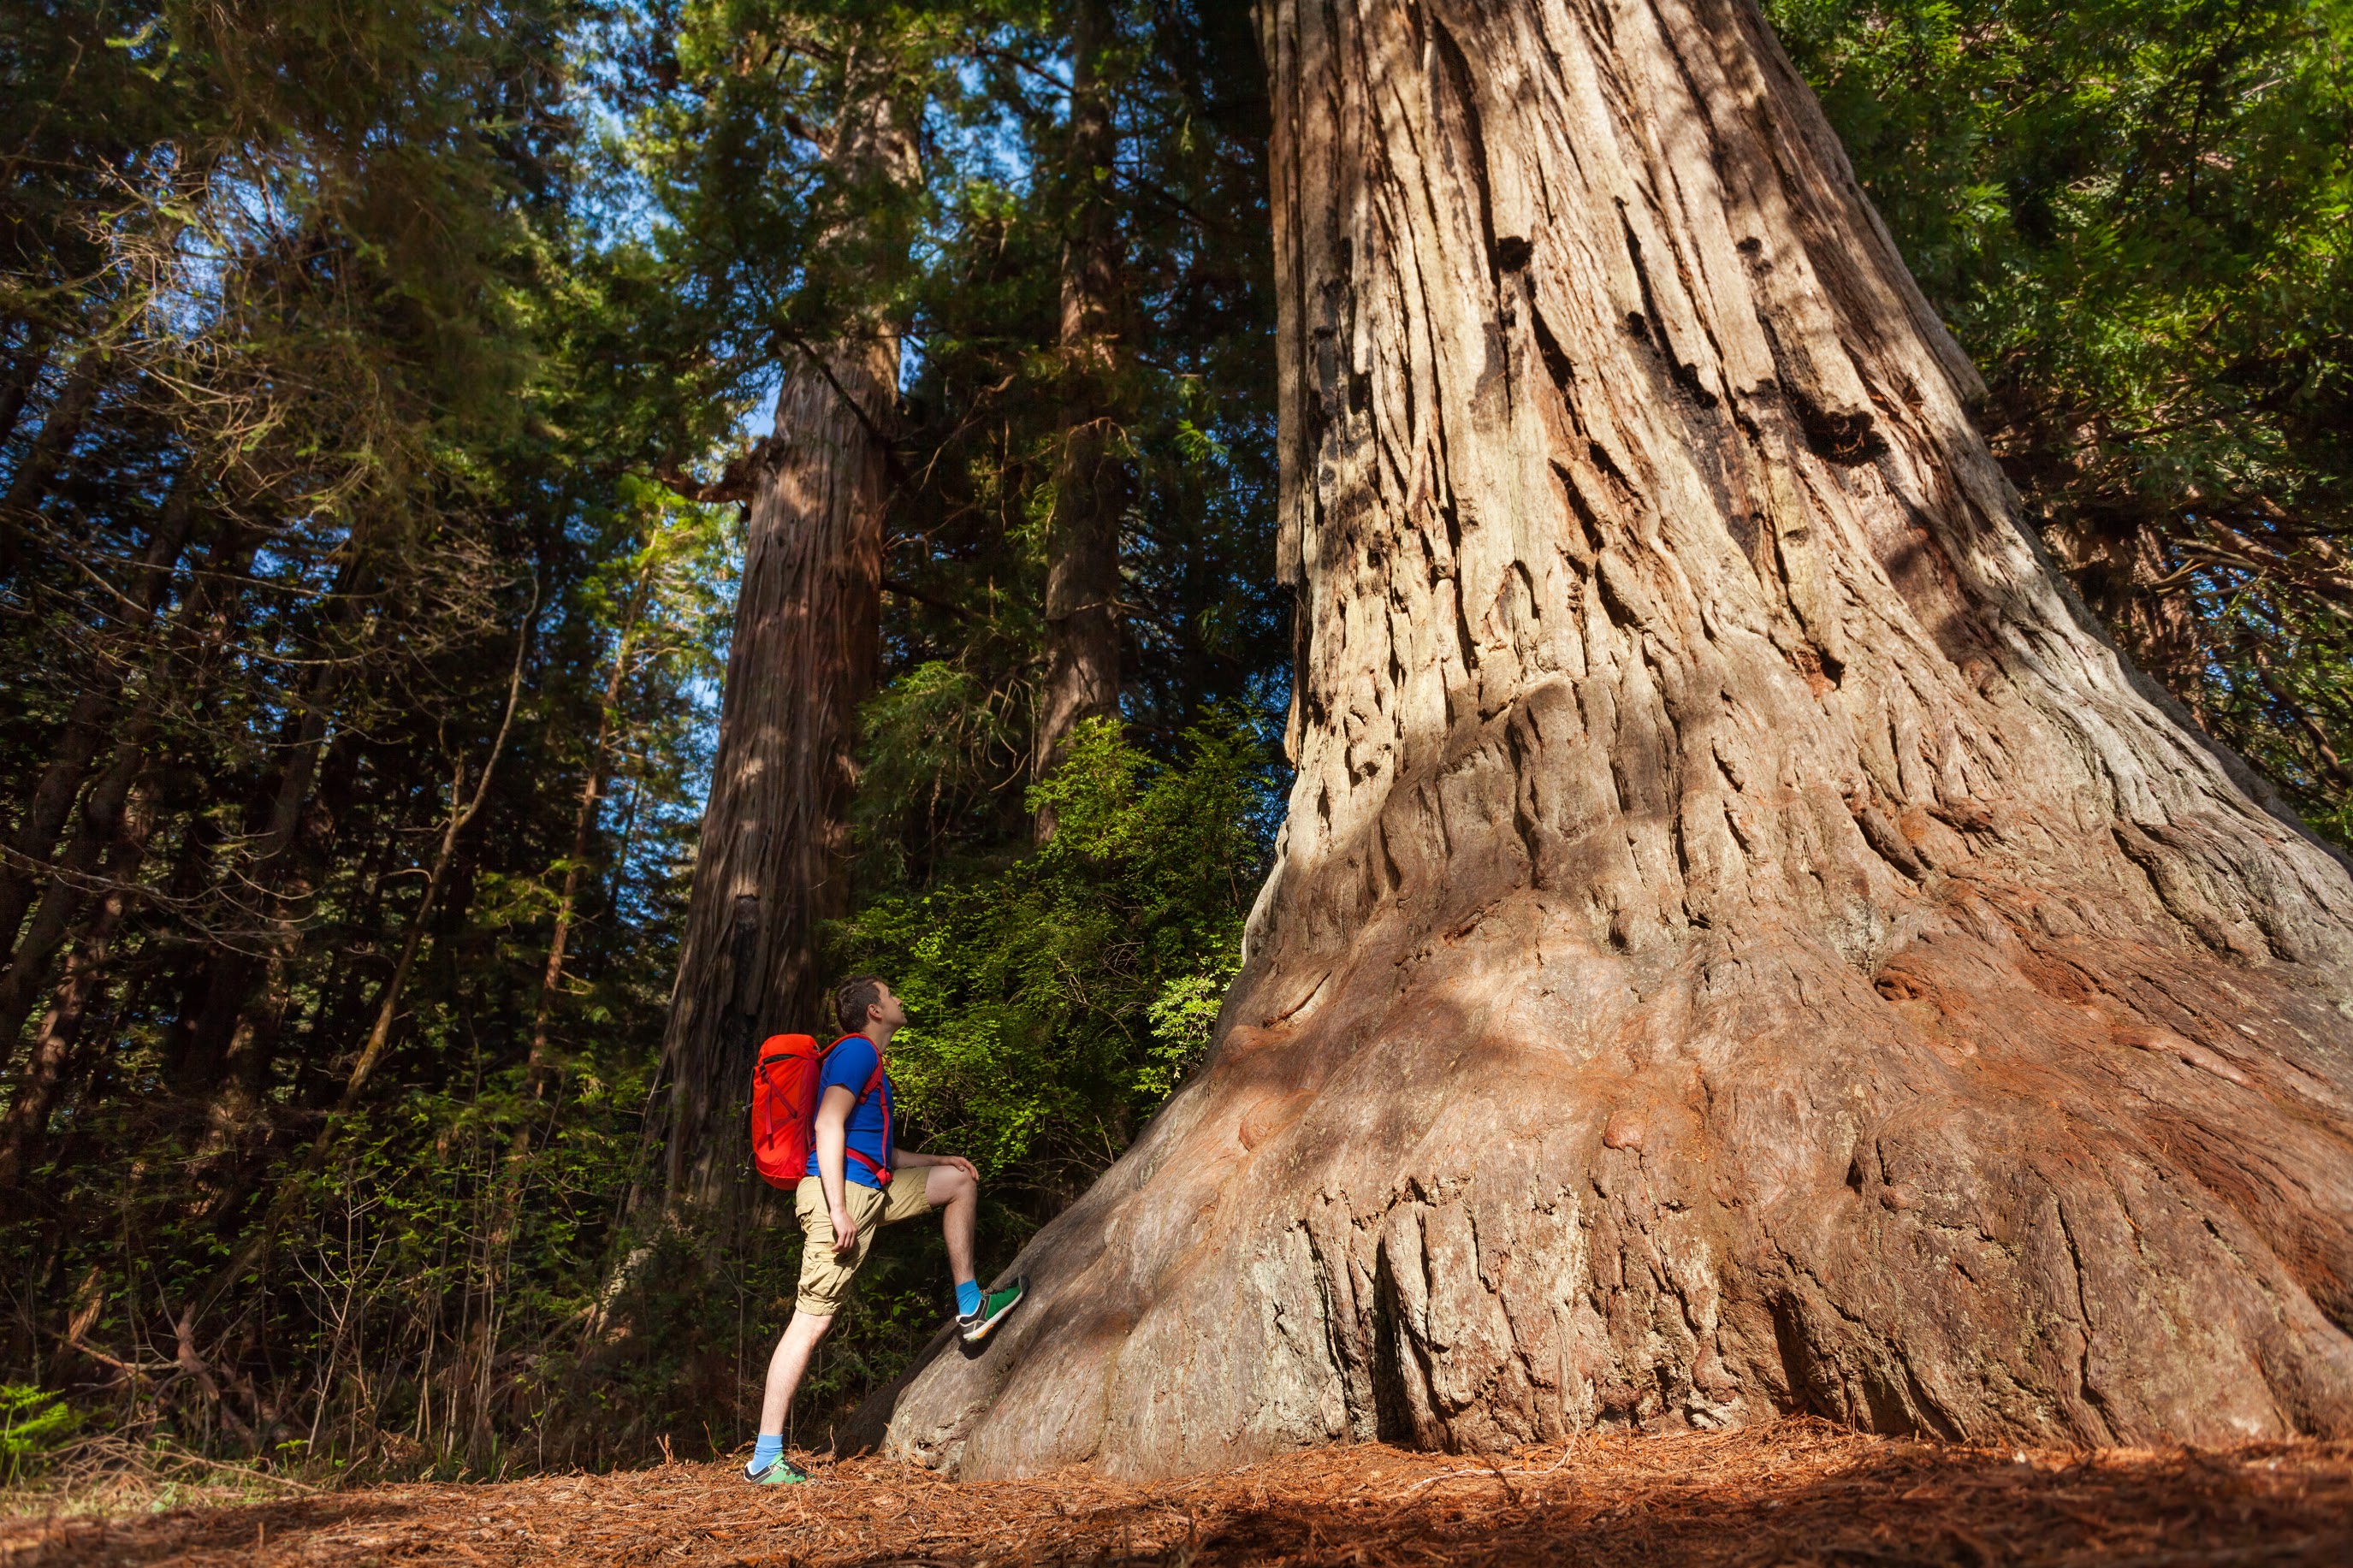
(887, 1010)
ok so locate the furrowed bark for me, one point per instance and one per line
(1742, 941)
(770, 864)
(1083, 547)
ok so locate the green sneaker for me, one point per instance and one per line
(781, 1472)
(977, 1325)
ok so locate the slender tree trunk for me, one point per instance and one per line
(24, 373)
(76, 877)
(463, 809)
(206, 1041)
(45, 453)
(771, 863)
(48, 1064)
(1090, 491)
(1742, 942)
(541, 1068)
(51, 802)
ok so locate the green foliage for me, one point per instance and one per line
(2135, 215)
(1203, 621)
(1054, 1004)
(34, 1422)
(332, 287)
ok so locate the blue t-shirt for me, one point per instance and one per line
(851, 1063)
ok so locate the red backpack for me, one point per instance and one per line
(783, 1109)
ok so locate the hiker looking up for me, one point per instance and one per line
(858, 1179)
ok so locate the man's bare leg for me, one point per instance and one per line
(958, 1197)
(786, 1367)
(946, 1189)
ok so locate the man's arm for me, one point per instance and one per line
(832, 1139)
(916, 1159)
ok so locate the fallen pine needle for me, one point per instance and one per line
(1791, 1491)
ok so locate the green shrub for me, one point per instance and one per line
(1053, 1004)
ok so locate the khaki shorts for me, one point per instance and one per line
(825, 1273)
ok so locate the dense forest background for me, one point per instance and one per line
(382, 385)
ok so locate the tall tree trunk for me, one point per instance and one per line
(267, 1016)
(203, 1043)
(29, 486)
(75, 877)
(207, 1038)
(47, 1067)
(770, 864)
(463, 809)
(25, 368)
(51, 800)
(1742, 942)
(541, 1068)
(1090, 492)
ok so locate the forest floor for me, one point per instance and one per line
(1798, 1491)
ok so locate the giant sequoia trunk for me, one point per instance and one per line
(1742, 940)
(769, 868)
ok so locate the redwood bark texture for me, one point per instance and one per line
(770, 864)
(1082, 544)
(1742, 940)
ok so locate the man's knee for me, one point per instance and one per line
(950, 1185)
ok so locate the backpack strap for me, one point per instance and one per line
(889, 1121)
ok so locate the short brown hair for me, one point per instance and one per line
(852, 997)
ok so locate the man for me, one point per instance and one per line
(860, 1180)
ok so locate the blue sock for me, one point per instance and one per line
(968, 1297)
(766, 1452)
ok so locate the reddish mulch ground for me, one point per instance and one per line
(1795, 1492)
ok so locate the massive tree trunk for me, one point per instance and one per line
(770, 863)
(1742, 941)
(1082, 544)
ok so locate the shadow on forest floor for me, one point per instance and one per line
(1795, 1492)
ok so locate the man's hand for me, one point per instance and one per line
(845, 1231)
(916, 1159)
